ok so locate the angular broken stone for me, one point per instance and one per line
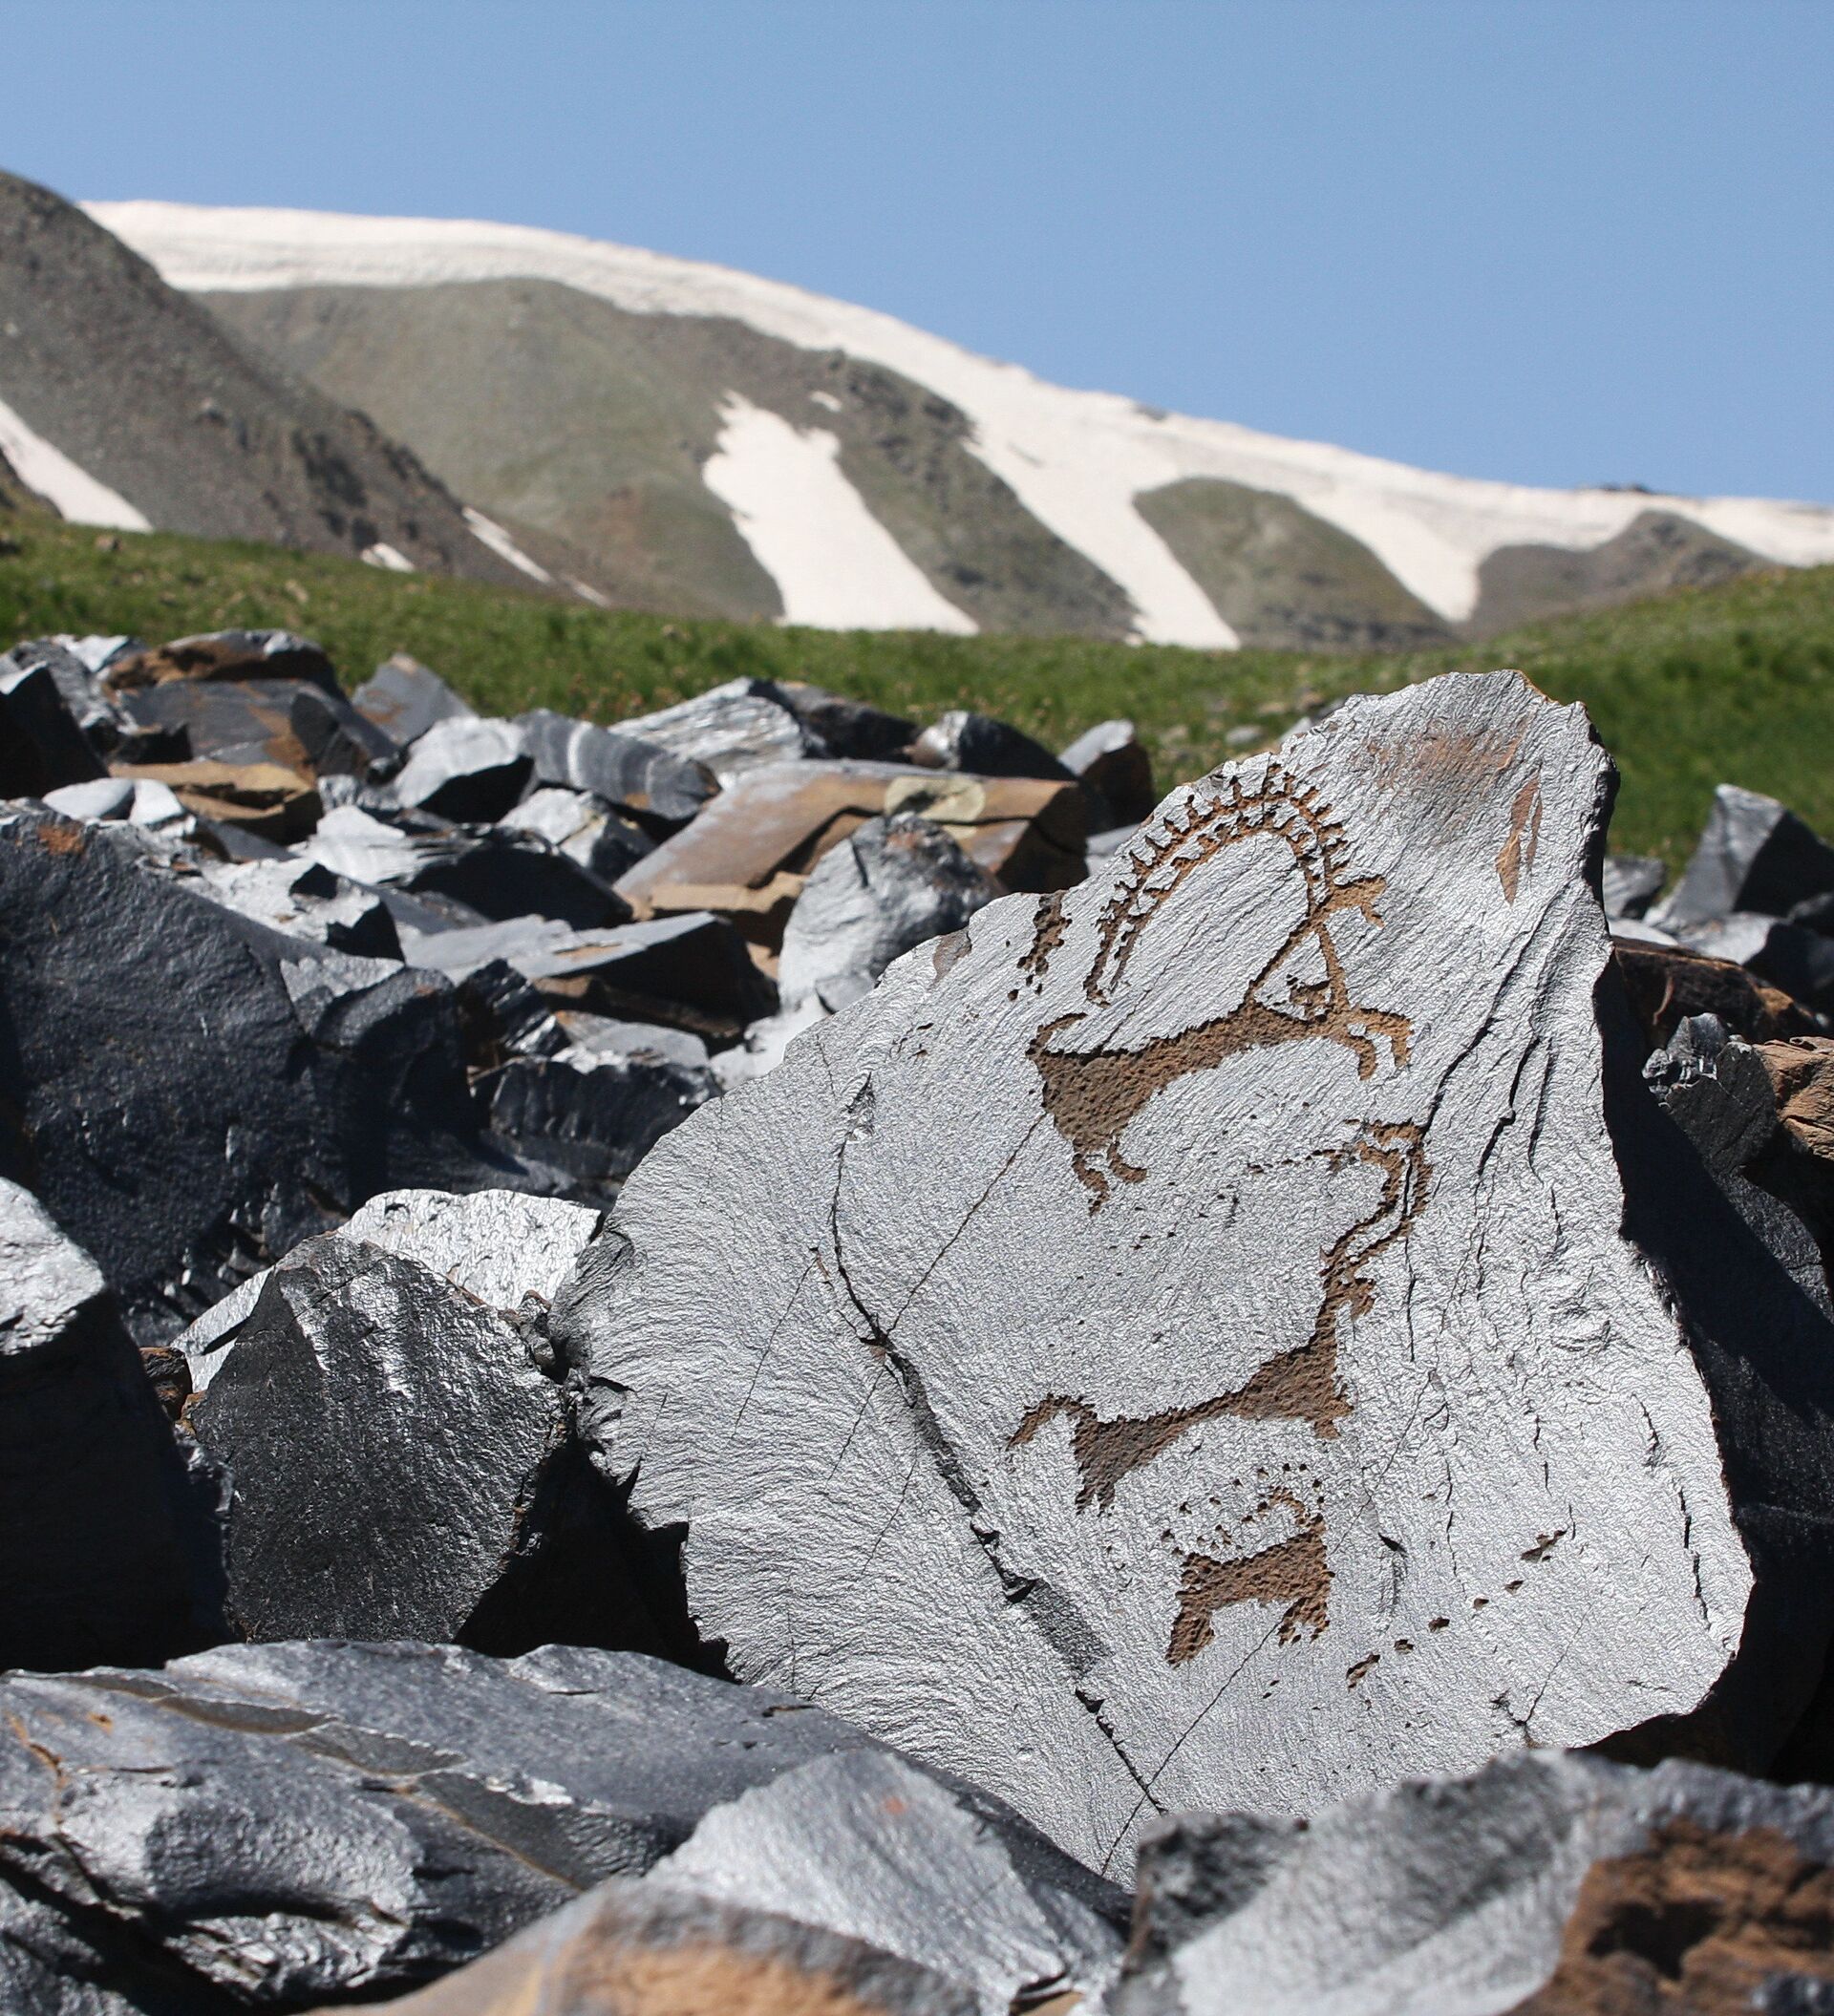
(73, 663)
(1665, 984)
(402, 1467)
(41, 746)
(305, 899)
(1116, 773)
(618, 765)
(749, 853)
(463, 768)
(1631, 884)
(586, 829)
(259, 798)
(1754, 854)
(404, 699)
(743, 726)
(93, 1559)
(1789, 955)
(891, 884)
(189, 1093)
(593, 1114)
(1240, 1321)
(643, 1949)
(1547, 1883)
(865, 1844)
(285, 1826)
(291, 722)
(839, 727)
(984, 747)
(221, 654)
(137, 801)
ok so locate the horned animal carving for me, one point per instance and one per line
(1093, 1096)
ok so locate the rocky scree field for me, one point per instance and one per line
(807, 1347)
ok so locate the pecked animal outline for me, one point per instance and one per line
(1094, 1096)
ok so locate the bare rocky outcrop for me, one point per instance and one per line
(1242, 1321)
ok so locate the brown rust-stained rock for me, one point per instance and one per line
(1547, 1885)
(264, 798)
(749, 851)
(1667, 984)
(1241, 1329)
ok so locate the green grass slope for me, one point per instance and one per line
(1730, 683)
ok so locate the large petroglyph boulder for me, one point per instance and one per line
(1221, 1335)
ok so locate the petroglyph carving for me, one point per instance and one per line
(1093, 1096)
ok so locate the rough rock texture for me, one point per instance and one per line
(586, 829)
(1230, 1321)
(644, 1949)
(839, 727)
(263, 800)
(93, 1539)
(1754, 854)
(305, 899)
(403, 698)
(402, 1467)
(291, 722)
(1550, 1885)
(1667, 984)
(891, 884)
(287, 1825)
(592, 1113)
(41, 746)
(865, 1844)
(1116, 773)
(190, 1094)
(223, 654)
(1630, 884)
(618, 765)
(746, 724)
(463, 768)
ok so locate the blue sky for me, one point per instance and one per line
(1546, 241)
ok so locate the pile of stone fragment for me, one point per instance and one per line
(718, 1364)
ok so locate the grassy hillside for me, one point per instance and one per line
(1732, 684)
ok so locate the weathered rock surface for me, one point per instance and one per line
(586, 829)
(294, 723)
(618, 765)
(264, 799)
(190, 1094)
(404, 699)
(1630, 883)
(1789, 955)
(1754, 855)
(289, 1825)
(463, 768)
(402, 1467)
(891, 884)
(93, 1548)
(1667, 984)
(1242, 1321)
(743, 726)
(305, 899)
(593, 1114)
(1556, 1885)
(643, 1949)
(223, 654)
(41, 746)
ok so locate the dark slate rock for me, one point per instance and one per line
(291, 722)
(305, 899)
(1754, 854)
(984, 747)
(1789, 955)
(73, 663)
(1116, 773)
(842, 728)
(1715, 1089)
(94, 1561)
(1665, 984)
(402, 1468)
(584, 828)
(464, 769)
(619, 765)
(1548, 1882)
(223, 654)
(404, 699)
(290, 1825)
(691, 971)
(1631, 884)
(190, 1094)
(41, 746)
(746, 724)
(595, 1115)
(468, 872)
(889, 886)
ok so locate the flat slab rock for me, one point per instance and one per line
(1557, 1885)
(1176, 1343)
(301, 1824)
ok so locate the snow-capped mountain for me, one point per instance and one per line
(682, 436)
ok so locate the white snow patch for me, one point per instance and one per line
(384, 555)
(834, 563)
(587, 593)
(71, 490)
(1076, 459)
(504, 546)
